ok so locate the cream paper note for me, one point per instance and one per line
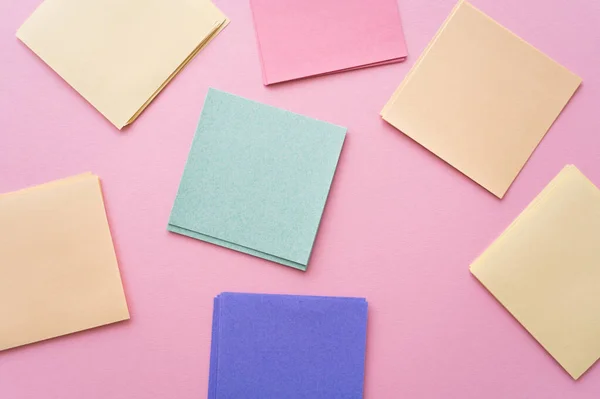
(120, 54)
(545, 270)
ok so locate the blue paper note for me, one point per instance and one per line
(287, 346)
(257, 179)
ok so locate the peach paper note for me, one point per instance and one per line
(545, 270)
(480, 98)
(120, 54)
(58, 269)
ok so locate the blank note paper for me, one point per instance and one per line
(58, 270)
(300, 38)
(287, 346)
(480, 98)
(545, 269)
(257, 179)
(120, 54)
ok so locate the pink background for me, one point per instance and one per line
(401, 227)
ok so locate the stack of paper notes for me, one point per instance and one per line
(480, 98)
(300, 38)
(257, 179)
(545, 269)
(287, 346)
(58, 270)
(120, 54)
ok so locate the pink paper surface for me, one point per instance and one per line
(400, 227)
(301, 38)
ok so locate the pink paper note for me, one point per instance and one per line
(301, 38)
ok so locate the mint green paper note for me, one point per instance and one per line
(257, 179)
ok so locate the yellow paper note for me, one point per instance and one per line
(120, 54)
(545, 269)
(480, 98)
(58, 269)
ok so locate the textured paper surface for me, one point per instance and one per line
(120, 54)
(257, 179)
(287, 346)
(545, 269)
(300, 38)
(58, 270)
(480, 98)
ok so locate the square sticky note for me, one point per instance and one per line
(480, 98)
(287, 346)
(257, 179)
(58, 270)
(300, 38)
(120, 54)
(545, 269)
